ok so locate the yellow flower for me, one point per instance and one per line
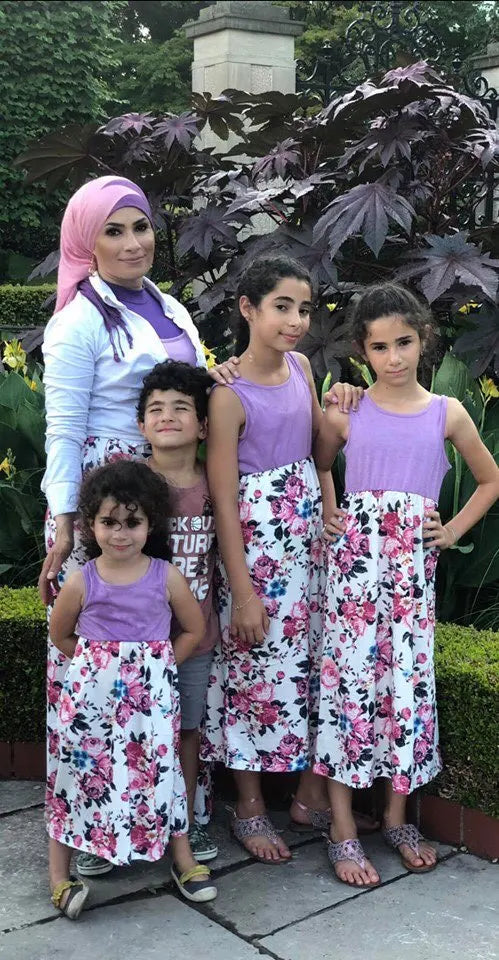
(488, 387)
(468, 307)
(331, 307)
(7, 465)
(14, 356)
(31, 383)
(211, 359)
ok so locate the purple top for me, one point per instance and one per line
(175, 341)
(403, 452)
(136, 611)
(278, 427)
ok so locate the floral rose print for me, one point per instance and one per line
(377, 714)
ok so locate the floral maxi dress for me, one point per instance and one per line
(377, 715)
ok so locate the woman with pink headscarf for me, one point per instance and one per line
(110, 327)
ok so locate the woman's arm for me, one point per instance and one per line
(188, 613)
(69, 355)
(461, 431)
(225, 419)
(65, 614)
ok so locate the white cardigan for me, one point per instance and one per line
(87, 393)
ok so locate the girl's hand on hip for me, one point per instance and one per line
(335, 526)
(48, 586)
(225, 372)
(434, 533)
(345, 395)
(251, 623)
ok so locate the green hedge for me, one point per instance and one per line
(467, 669)
(22, 306)
(467, 666)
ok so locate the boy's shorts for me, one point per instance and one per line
(193, 676)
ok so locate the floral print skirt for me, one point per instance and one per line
(95, 453)
(377, 715)
(118, 790)
(263, 700)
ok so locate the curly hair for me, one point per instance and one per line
(256, 282)
(133, 484)
(386, 300)
(174, 375)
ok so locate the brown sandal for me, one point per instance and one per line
(78, 893)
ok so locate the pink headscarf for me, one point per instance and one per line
(85, 214)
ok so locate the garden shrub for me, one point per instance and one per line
(24, 306)
(467, 666)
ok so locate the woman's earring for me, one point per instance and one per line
(92, 267)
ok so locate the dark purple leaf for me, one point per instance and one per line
(139, 150)
(385, 141)
(283, 159)
(202, 230)
(450, 261)
(252, 199)
(481, 344)
(419, 73)
(327, 340)
(179, 130)
(301, 187)
(47, 266)
(365, 209)
(57, 154)
(483, 144)
(129, 121)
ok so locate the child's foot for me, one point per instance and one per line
(348, 859)
(195, 883)
(417, 855)
(90, 865)
(202, 846)
(69, 896)
(254, 831)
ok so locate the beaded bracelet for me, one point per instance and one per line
(239, 606)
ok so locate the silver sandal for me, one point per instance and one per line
(348, 850)
(261, 826)
(319, 820)
(394, 837)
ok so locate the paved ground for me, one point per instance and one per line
(291, 912)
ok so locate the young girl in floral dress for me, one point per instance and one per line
(377, 714)
(118, 790)
(267, 504)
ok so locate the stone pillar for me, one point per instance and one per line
(488, 65)
(243, 45)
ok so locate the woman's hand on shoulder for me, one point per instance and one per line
(226, 372)
(345, 396)
(250, 621)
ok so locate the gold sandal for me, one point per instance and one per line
(78, 893)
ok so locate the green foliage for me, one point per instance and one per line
(22, 306)
(474, 562)
(22, 458)
(464, 26)
(55, 55)
(467, 669)
(23, 645)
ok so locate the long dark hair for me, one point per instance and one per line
(386, 300)
(256, 282)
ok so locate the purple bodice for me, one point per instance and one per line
(397, 451)
(136, 611)
(278, 421)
